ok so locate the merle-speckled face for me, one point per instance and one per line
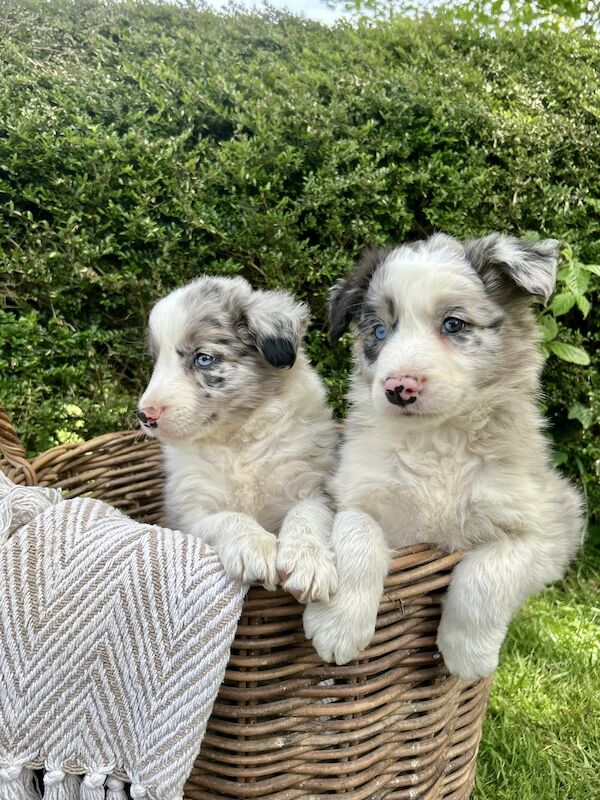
(437, 320)
(218, 349)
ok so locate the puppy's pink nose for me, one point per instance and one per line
(403, 390)
(149, 414)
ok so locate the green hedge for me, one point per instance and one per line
(141, 144)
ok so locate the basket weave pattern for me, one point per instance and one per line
(285, 726)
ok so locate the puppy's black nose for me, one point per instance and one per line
(395, 396)
(141, 416)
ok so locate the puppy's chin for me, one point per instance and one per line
(411, 417)
(152, 433)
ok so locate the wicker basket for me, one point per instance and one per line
(285, 726)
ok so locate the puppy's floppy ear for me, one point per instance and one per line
(276, 323)
(346, 297)
(531, 266)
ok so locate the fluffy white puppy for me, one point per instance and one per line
(247, 437)
(444, 441)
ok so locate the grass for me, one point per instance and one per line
(541, 739)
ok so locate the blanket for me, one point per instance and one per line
(114, 638)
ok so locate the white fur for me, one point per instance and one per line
(238, 489)
(464, 467)
(259, 471)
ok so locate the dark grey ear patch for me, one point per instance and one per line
(275, 322)
(278, 351)
(530, 266)
(346, 297)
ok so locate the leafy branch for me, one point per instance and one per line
(573, 281)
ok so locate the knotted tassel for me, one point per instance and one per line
(115, 788)
(138, 792)
(59, 785)
(92, 786)
(18, 783)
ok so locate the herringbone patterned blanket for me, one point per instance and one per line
(114, 637)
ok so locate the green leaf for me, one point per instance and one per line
(583, 304)
(582, 413)
(548, 326)
(562, 303)
(569, 352)
(559, 458)
(595, 268)
(577, 280)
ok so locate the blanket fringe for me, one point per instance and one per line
(92, 786)
(138, 792)
(59, 785)
(115, 788)
(18, 783)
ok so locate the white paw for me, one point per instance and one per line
(307, 571)
(251, 558)
(341, 628)
(467, 655)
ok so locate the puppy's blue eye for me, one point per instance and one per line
(203, 360)
(380, 332)
(452, 325)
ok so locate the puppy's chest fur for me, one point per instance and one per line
(261, 474)
(428, 489)
(222, 477)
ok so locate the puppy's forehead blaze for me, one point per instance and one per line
(421, 282)
(166, 322)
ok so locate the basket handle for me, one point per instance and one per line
(13, 450)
